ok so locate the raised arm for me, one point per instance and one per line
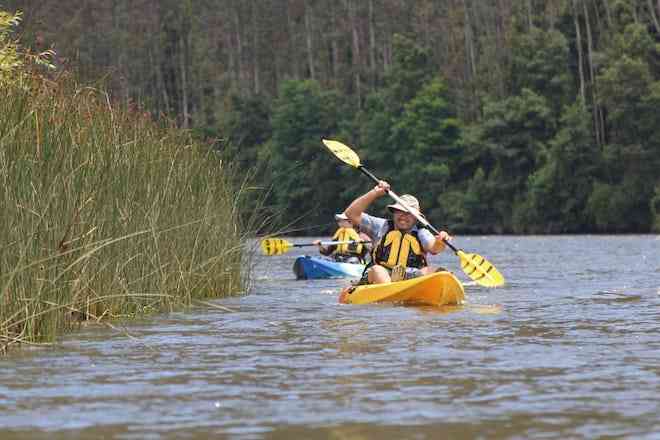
(359, 205)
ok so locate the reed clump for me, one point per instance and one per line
(106, 213)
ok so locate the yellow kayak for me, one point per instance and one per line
(436, 289)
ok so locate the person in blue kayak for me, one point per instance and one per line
(355, 252)
(401, 246)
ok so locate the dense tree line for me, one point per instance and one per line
(507, 116)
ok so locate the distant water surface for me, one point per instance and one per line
(569, 348)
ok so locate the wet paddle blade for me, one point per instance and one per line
(343, 152)
(480, 270)
(274, 246)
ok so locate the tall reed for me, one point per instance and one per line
(105, 213)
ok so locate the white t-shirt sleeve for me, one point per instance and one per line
(426, 239)
(374, 227)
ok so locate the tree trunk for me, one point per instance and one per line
(157, 63)
(186, 63)
(597, 112)
(309, 31)
(578, 43)
(372, 45)
(255, 48)
(185, 57)
(503, 18)
(334, 44)
(654, 16)
(599, 21)
(118, 51)
(355, 51)
(239, 48)
(291, 33)
(608, 14)
(183, 65)
(471, 69)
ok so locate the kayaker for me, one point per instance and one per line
(400, 243)
(349, 252)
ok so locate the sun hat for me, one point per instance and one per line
(409, 201)
(341, 216)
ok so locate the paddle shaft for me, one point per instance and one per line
(397, 199)
(330, 243)
(474, 265)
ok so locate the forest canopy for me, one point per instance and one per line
(502, 116)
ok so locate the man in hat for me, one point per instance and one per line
(401, 247)
(354, 252)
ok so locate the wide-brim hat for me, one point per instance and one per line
(341, 217)
(410, 201)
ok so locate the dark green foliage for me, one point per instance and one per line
(502, 116)
(607, 202)
(540, 63)
(558, 190)
(410, 129)
(631, 93)
(655, 208)
(305, 175)
(512, 136)
(470, 209)
(244, 128)
(426, 134)
(411, 68)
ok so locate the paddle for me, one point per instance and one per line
(474, 265)
(279, 246)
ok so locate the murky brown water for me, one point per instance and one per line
(570, 348)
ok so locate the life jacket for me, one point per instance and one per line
(348, 234)
(399, 248)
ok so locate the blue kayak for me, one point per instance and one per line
(313, 268)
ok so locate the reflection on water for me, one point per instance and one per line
(568, 349)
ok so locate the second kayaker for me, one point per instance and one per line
(400, 244)
(355, 252)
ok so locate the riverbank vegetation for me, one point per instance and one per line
(503, 116)
(105, 213)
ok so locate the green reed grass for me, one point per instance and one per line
(105, 213)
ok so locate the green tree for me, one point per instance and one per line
(655, 208)
(630, 93)
(396, 143)
(244, 127)
(561, 185)
(540, 62)
(412, 67)
(468, 207)
(513, 134)
(305, 184)
(615, 208)
(427, 133)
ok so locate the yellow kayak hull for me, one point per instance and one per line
(436, 289)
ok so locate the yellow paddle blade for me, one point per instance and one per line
(480, 270)
(275, 246)
(343, 152)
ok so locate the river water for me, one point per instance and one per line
(568, 349)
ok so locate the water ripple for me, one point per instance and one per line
(568, 348)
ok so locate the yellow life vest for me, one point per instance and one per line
(347, 234)
(400, 249)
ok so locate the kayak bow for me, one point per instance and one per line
(436, 289)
